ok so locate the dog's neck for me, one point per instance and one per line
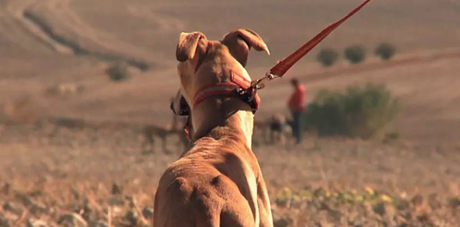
(232, 115)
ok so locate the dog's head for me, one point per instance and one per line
(198, 55)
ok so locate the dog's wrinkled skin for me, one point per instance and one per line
(217, 182)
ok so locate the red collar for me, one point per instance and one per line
(238, 87)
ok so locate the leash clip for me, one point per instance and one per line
(260, 83)
(253, 93)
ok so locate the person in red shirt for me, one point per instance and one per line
(296, 105)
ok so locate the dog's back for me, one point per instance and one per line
(212, 185)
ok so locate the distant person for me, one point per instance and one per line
(296, 105)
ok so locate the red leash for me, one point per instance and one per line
(247, 90)
(284, 65)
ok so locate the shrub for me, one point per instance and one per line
(385, 51)
(118, 72)
(358, 112)
(326, 113)
(327, 57)
(355, 54)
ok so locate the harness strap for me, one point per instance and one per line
(238, 87)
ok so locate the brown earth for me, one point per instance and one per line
(48, 171)
(53, 57)
(49, 43)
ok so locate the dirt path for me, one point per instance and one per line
(27, 13)
(17, 8)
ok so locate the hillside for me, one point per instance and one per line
(50, 42)
(79, 149)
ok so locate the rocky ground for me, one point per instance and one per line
(84, 176)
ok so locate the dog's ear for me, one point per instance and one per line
(240, 41)
(179, 105)
(190, 44)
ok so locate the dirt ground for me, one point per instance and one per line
(57, 43)
(49, 172)
(53, 57)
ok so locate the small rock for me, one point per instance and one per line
(38, 208)
(75, 193)
(36, 193)
(87, 211)
(424, 218)
(454, 203)
(324, 223)
(283, 222)
(116, 201)
(356, 224)
(12, 207)
(434, 202)
(6, 189)
(417, 200)
(147, 212)
(403, 204)
(36, 223)
(400, 220)
(132, 217)
(25, 199)
(117, 211)
(380, 209)
(4, 221)
(116, 189)
(98, 224)
(72, 220)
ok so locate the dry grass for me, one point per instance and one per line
(35, 59)
(50, 171)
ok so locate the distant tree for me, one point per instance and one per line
(355, 54)
(327, 57)
(118, 72)
(385, 51)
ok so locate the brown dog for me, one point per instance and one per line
(217, 182)
(280, 131)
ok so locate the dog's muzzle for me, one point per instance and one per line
(181, 108)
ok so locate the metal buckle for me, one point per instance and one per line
(256, 85)
(260, 83)
(253, 93)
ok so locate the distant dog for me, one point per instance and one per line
(279, 130)
(152, 133)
